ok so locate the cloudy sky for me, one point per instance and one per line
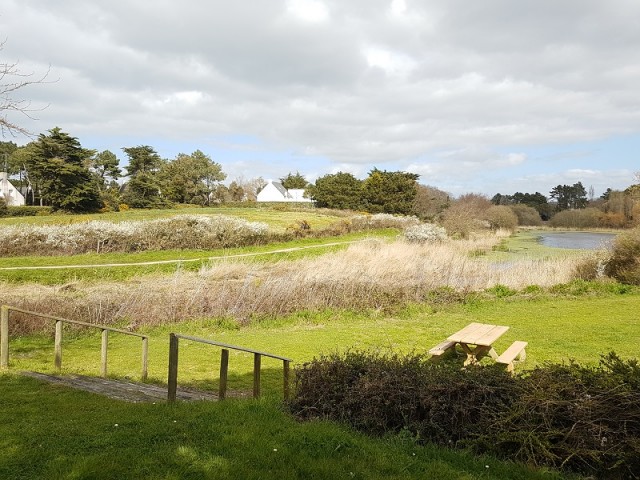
(475, 96)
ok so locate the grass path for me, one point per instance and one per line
(180, 260)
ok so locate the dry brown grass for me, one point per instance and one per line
(372, 274)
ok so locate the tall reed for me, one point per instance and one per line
(371, 274)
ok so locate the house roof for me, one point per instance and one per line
(281, 189)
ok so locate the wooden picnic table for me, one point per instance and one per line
(477, 339)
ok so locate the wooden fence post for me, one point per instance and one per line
(224, 371)
(103, 356)
(4, 337)
(145, 357)
(58, 346)
(172, 381)
(285, 367)
(256, 374)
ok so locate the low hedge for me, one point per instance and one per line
(27, 211)
(584, 419)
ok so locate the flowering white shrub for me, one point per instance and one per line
(425, 233)
(179, 232)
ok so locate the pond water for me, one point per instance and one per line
(576, 240)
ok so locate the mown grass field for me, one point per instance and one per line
(558, 328)
(56, 433)
(53, 432)
(74, 434)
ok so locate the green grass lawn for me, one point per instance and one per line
(558, 328)
(51, 432)
(74, 434)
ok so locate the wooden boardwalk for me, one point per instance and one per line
(124, 390)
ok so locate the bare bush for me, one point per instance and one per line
(500, 216)
(527, 216)
(583, 218)
(382, 220)
(624, 263)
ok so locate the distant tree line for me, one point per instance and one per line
(56, 171)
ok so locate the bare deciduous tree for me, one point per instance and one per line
(11, 81)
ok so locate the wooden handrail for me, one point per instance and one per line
(4, 338)
(172, 381)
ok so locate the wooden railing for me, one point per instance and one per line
(4, 339)
(224, 366)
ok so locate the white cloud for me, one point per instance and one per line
(442, 87)
(308, 10)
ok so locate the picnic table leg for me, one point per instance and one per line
(475, 354)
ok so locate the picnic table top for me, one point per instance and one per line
(478, 334)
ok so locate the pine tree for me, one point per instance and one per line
(59, 162)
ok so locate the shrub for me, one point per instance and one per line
(28, 211)
(612, 220)
(459, 221)
(179, 232)
(584, 218)
(582, 418)
(379, 393)
(500, 216)
(4, 209)
(624, 262)
(585, 419)
(382, 220)
(425, 233)
(527, 216)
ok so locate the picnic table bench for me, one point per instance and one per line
(476, 340)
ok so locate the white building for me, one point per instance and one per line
(275, 192)
(11, 194)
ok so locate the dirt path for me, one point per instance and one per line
(124, 390)
(178, 261)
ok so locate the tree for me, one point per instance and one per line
(251, 187)
(190, 178)
(569, 196)
(294, 181)
(534, 200)
(7, 149)
(389, 192)
(430, 202)
(20, 161)
(11, 81)
(59, 162)
(340, 190)
(236, 192)
(143, 188)
(106, 167)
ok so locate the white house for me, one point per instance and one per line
(10, 193)
(275, 192)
